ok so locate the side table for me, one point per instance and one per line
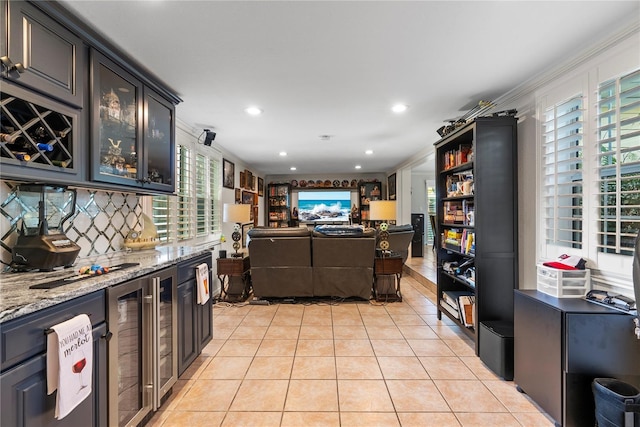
(235, 279)
(387, 273)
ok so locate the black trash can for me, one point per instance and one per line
(617, 403)
(496, 347)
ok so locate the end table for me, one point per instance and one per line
(387, 273)
(235, 278)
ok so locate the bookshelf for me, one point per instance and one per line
(278, 205)
(368, 191)
(476, 217)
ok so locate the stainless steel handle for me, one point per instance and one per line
(155, 375)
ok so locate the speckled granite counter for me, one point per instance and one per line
(16, 299)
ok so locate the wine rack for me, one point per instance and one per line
(35, 135)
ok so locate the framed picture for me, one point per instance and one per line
(391, 186)
(245, 230)
(249, 180)
(238, 197)
(243, 179)
(247, 198)
(260, 187)
(228, 174)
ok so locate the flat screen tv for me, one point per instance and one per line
(324, 205)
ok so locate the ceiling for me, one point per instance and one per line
(336, 67)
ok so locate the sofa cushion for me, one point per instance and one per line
(278, 232)
(339, 230)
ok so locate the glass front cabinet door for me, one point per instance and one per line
(133, 130)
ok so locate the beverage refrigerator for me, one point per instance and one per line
(142, 349)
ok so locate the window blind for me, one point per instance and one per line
(562, 170)
(618, 164)
(201, 195)
(215, 182)
(161, 216)
(184, 193)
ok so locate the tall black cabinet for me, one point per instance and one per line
(195, 321)
(476, 216)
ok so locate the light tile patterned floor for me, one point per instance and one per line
(343, 364)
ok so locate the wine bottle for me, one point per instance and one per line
(12, 139)
(44, 147)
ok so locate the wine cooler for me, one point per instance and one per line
(142, 351)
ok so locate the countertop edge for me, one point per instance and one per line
(18, 300)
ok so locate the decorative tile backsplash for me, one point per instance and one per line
(100, 223)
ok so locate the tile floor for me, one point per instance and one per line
(343, 364)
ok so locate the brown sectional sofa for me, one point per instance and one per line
(343, 264)
(297, 262)
(280, 262)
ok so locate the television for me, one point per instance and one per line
(324, 205)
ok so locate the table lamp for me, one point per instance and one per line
(238, 214)
(383, 210)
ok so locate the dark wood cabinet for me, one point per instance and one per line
(476, 216)
(23, 381)
(562, 344)
(52, 58)
(195, 321)
(133, 136)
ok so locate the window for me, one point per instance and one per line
(195, 212)
(161, 217)
(184, 192)
(589, 187)
(618, 164)
(201, 195)
(215, 182)
(562, 173)
(431, 210)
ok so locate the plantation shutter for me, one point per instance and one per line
(184, 193)
(618, 163)
(562, 173)
(215, 182)
(201, 196)
(161, 216)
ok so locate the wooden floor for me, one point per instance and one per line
(345, 363)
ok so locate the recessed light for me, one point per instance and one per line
(325, 137)
(254, 111)
(358, 167)
(368, 152)
(283, 153)
(293, 168)
(399, 108)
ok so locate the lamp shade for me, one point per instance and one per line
(382, 210)
(236, 213)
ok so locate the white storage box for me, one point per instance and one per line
(563, 283)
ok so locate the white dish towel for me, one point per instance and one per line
(70, 363)
(202, 277)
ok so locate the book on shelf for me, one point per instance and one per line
(457, 156)
(462, 302)
(450, 309)
(467, 308)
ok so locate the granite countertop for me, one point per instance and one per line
(17, 299)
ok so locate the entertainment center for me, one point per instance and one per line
(294, 203)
